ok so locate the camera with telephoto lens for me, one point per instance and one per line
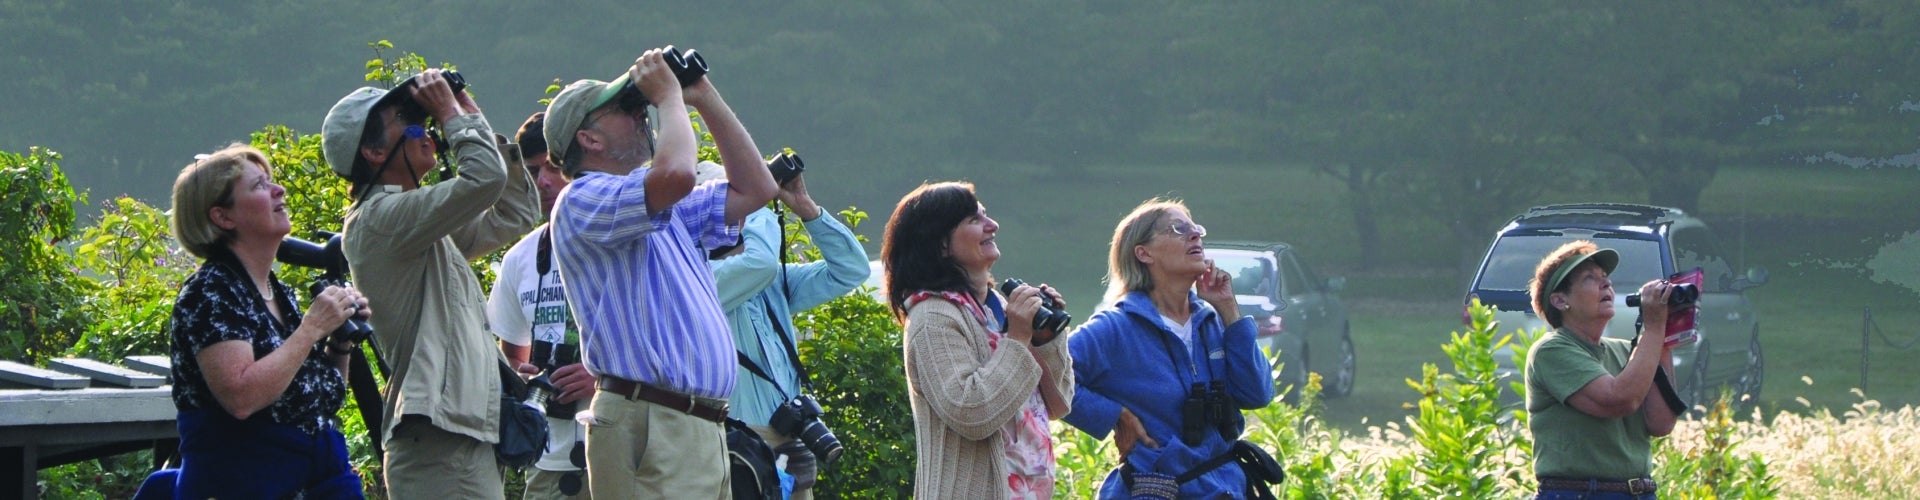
(332, 264)
(800, 418)
(1681, 294)
(1049, 317)
(560, 355)
(785, 166)
(1206, 409)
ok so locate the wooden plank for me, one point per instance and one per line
(157, 365)
(38, 377)
(106, 373)
(95, 405)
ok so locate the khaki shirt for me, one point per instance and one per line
(409, 250)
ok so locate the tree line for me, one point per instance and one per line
(1461, 112)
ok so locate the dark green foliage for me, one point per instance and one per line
(41, 296)
(853, 351)
(854, 356)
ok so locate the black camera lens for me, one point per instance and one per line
(1680, 294)
(800, 418)
(1049, 317)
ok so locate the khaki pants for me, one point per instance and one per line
(426, 462)
(637, 449)
(545, 485)
(774, 439)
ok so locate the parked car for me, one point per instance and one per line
(1302, 323)
(1653, 242)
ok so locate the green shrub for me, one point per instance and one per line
(1465, 447)
(1706, 465)
(132, 253)
(42, 298)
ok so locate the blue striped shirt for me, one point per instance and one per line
(639, 285)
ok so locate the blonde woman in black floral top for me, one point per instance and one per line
(257, 383)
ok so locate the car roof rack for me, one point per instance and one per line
(1599, 213)
(1248, 245)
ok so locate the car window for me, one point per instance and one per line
(1510, 265)
(1297, 279)
(1252, 275)
(1695, 246)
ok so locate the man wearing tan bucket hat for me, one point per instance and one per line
(408, 247)
(631, 233)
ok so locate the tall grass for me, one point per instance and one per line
(1461, 443)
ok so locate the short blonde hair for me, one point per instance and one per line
(205, 184)
(1126, 274)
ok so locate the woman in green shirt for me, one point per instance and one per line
(1593, 406)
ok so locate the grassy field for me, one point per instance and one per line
(1813, 228)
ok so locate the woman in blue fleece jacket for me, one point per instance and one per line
(1136, 364)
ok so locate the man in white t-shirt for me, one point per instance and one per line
(528, 311)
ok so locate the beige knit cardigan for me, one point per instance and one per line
(964, 392)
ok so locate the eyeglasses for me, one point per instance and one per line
(1186, 230)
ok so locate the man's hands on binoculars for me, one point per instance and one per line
(793, 194)
(432, 91)
(655, 79)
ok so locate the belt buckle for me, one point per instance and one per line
(1640, 486)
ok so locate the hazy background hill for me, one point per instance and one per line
(1387, 139)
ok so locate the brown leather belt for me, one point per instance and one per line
(673, 400)
(1636, 486)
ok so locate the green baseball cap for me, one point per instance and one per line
(568, 112)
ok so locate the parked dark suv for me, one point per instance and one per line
(1653, 242)
(1301, 320)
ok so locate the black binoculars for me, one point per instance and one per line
(1205, 409)
(332, 264)
(1681, 294)
(687, 67)
(1050, 317)
(785, 166)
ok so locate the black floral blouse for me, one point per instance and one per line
(219, 303)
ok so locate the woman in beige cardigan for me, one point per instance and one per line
(982, 393)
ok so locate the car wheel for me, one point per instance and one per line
(1756, 374)
(1340, 384)
(1697, 392)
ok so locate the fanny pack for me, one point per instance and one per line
(523, 428)
(1262, 471)
(751, 463)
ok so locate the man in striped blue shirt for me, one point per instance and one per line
(630, 235)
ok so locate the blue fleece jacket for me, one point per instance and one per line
(1125, 357)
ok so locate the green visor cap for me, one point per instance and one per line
(1605, 257)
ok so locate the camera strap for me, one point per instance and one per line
(1661, 381)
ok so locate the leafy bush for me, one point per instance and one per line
(132, 253)
(1465, 448)
(42, 309)
(1704, 464)
(852, 348)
